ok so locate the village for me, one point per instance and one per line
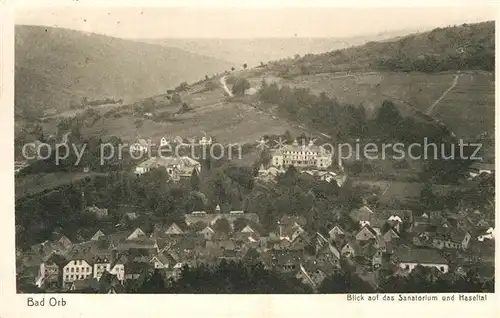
(373, 242)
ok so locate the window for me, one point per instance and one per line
(407, 266)
(442, 268)
(71, 276)
(88, 269)
(78, 269)
(72, 269)
(67, 269)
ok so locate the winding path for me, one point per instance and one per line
(433, 106)
(224, 86)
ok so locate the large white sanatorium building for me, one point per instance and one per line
(302, 156)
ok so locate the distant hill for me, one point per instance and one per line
(254, 51)
(56, 68)
(464, 47)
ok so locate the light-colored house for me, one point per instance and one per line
(478, 168)
(301, 156)
(207, 233)
(136, 234)
(327, 176)
(98, 212)
(20, 165)
(76, 269)
(163, 260)
(101, 265)
(97, 235)
(48, 274)
(210, 218)
(204, 141)
(270, 173)
(117, 268)
(164, 142)
(174, 229)
(489, 234)
(336, 232)
(141, 145)
(247, 229)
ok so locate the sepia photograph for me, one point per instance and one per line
(257, 150)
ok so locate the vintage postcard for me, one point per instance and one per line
(342, 152)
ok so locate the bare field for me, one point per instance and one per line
(469, 108)
(227, 122)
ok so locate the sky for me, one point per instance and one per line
(191, 22)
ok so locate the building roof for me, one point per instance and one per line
(364, 213)
(419, 255)
(483, 166)
(169, 162)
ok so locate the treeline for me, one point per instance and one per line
(62, 210)
(463, 47)
(245, 277)
(227, 278)
(325, 113)
(481, 60)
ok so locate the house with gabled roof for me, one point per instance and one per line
(136, 234)
(99, 234)
(163, 260)
(101, 265)
(78, 268)
(50, 269)
(390, 234)
(208, 233)
(174, 229)
(336, 232)
(247, 229)
(350, 249)
(408, 258)
(366, 233)
(328, 254)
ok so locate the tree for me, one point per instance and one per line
(154, 284)
(388, 115)
(195, 180)
(261, 64)
(185, 108)
(240, 86)
(222, 226)
(182, 87)
(176, 98)
(232, 68)
(287, 136)
(206, 77)
(245, 65)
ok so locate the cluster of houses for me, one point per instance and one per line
(178, 168)
(394, 240)
(144, 146)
